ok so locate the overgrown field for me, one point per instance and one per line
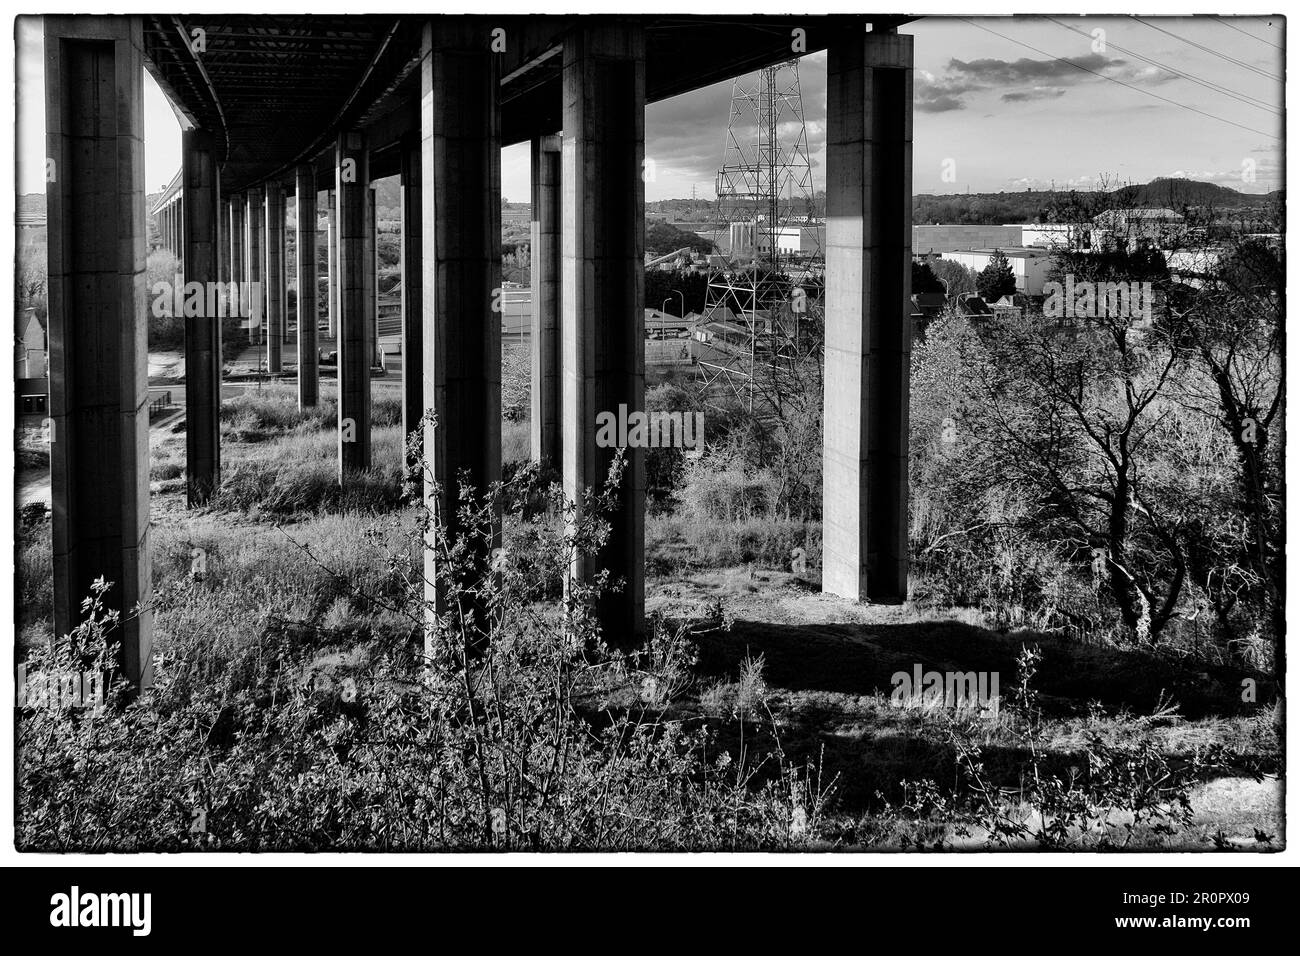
(296, 705)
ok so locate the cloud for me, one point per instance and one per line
(1034, 93)
(939, 95)
(991, 71)
(1025, 79)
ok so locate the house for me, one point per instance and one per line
(928, 304)
(670, 339)
(29, 346)
(968, 303)
(1010, 306)
(1030, 265)
(1137, 228)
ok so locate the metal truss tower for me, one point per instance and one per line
(764, 304)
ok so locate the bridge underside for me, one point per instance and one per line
(323, 106)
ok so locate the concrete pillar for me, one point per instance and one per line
(372, 263)
(545, 257)
(356, 301)
(460, 149)
(178, 232)
(99, 449)
(223, 237)
(412, 284)
(254, 243)
(277, 301)
(868, 317)
(305, 242)
(332, 257)
(202, 331)
(602, 352)
(238, 267)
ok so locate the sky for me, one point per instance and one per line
(1000, 104)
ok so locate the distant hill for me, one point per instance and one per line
(1030, 205)
(1189, 192)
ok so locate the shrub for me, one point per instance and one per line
(497, 733)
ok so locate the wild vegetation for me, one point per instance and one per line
(1096, 517)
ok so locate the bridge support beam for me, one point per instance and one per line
(223, 240)
(99, 450)
(868, 317)
(199, 181)
(412, 286)
(545, 258)
(460, 150)
(238, 267)
(356, 301)
(602, 351)
(372, 262)
(277, 302)
(305, 244)
(332, 258)
(255, 244)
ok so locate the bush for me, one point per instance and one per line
(496, 734)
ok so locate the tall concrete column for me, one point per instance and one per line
(203, 331)
(223, 237)
(868, 317)
(238, 267)
(99, 448)
(372, 260)
(254, 242)
(356, 301)
(277, 301)
(412, 285)
(332, 258)
(602, 352)
(545, 258)
(178, 232)
(305, 243)
(460, 148)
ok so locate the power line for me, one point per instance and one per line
(1251, 35)
(1245, 98)
(1138, 89)
(1201, 46)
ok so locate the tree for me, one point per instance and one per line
(956, 277)
(662, 238)
(997, 279)
(924, 279)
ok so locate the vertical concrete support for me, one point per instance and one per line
(332, 257)
(545, 335)
(277, 301)
(238, 266)
(356, 301)
(602, 351)
(372, 260)
(868, 317)
(412, 284)
(223, 238)
(99, 429)
(254, 243)
(305, 243)
(460, 150)
(178, 233)
(202, 330)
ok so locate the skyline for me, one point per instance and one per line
(983, 86)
